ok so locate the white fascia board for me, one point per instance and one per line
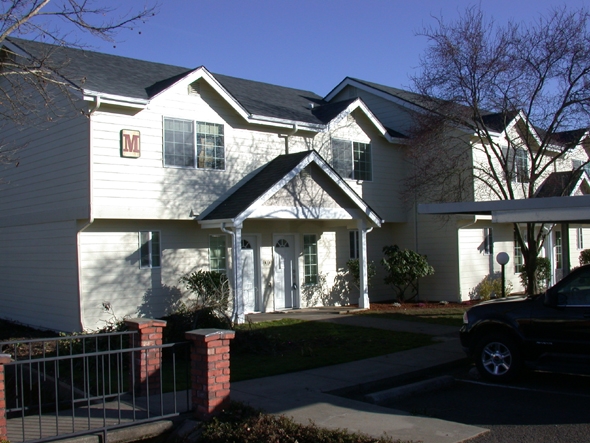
(274, 189)
(284, 123)
(359, 104)
(583, 179)
(551, 215)
(202, 72)
(212, 224)
(118, 100)
(313, 156)
(515, 120)
(379, 93)
(550, 209)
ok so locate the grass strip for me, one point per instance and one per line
(278, 347)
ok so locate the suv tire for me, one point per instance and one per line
(498, 358)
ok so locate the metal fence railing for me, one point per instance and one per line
(88, 383)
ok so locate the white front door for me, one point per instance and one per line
(285, 271)
(249, 274)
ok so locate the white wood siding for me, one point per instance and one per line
(38, 271)
(110, 272)
(52, 174)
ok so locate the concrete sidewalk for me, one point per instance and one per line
(305, 395)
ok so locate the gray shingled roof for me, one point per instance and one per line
(559, 184)
(139, 79)
(244, 196)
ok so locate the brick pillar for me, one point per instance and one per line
(4, 359)
(209, 370)
(147, 362)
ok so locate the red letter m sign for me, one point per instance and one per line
(130, 146)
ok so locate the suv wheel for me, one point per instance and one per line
(498, 358)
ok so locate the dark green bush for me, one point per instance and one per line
(404, 267)
(542, 274)
(585, 257)
(355, 272)
(243, 424)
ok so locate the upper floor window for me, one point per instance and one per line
(352, 159)
(190, 144)
(149, 249)
(580, 238)
(521, 166)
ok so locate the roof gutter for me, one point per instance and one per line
(117, 100)
(284, 123)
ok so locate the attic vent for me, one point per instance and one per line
(311, 105)
(194, 89)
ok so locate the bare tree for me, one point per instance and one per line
(496, 105)
(28, 84)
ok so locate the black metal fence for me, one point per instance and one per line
(82, 384)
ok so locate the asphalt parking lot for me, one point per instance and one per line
(539, 407)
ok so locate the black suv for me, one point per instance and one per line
(545, 331)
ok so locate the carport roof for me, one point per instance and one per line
(542, 210)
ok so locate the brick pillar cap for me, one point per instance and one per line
(5, 358)
(141, 323)
(210, 334)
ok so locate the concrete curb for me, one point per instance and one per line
(407, 390)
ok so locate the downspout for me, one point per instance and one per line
(94, 108)
(287, 135)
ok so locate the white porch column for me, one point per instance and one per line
(364, 281)
(238, 310)
(565, 249)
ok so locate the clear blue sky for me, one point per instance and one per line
(306, 44)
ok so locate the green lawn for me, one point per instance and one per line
(288, 345)
(441, 316)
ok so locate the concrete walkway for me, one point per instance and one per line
(305, 395)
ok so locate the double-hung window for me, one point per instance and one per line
(580, 238)
(518, 258)
(353, 236)
(521, 166)
(488, 241)
(149, 249)
(217, 254)
(310, 259)
(352, 159)
(189, 144)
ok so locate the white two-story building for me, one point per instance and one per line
(147, 172)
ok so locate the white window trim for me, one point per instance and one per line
(352, 170)
(317, 257)
(195, 145)
(488, 241)
(150, 253)
(225, 255)
(353, 244)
